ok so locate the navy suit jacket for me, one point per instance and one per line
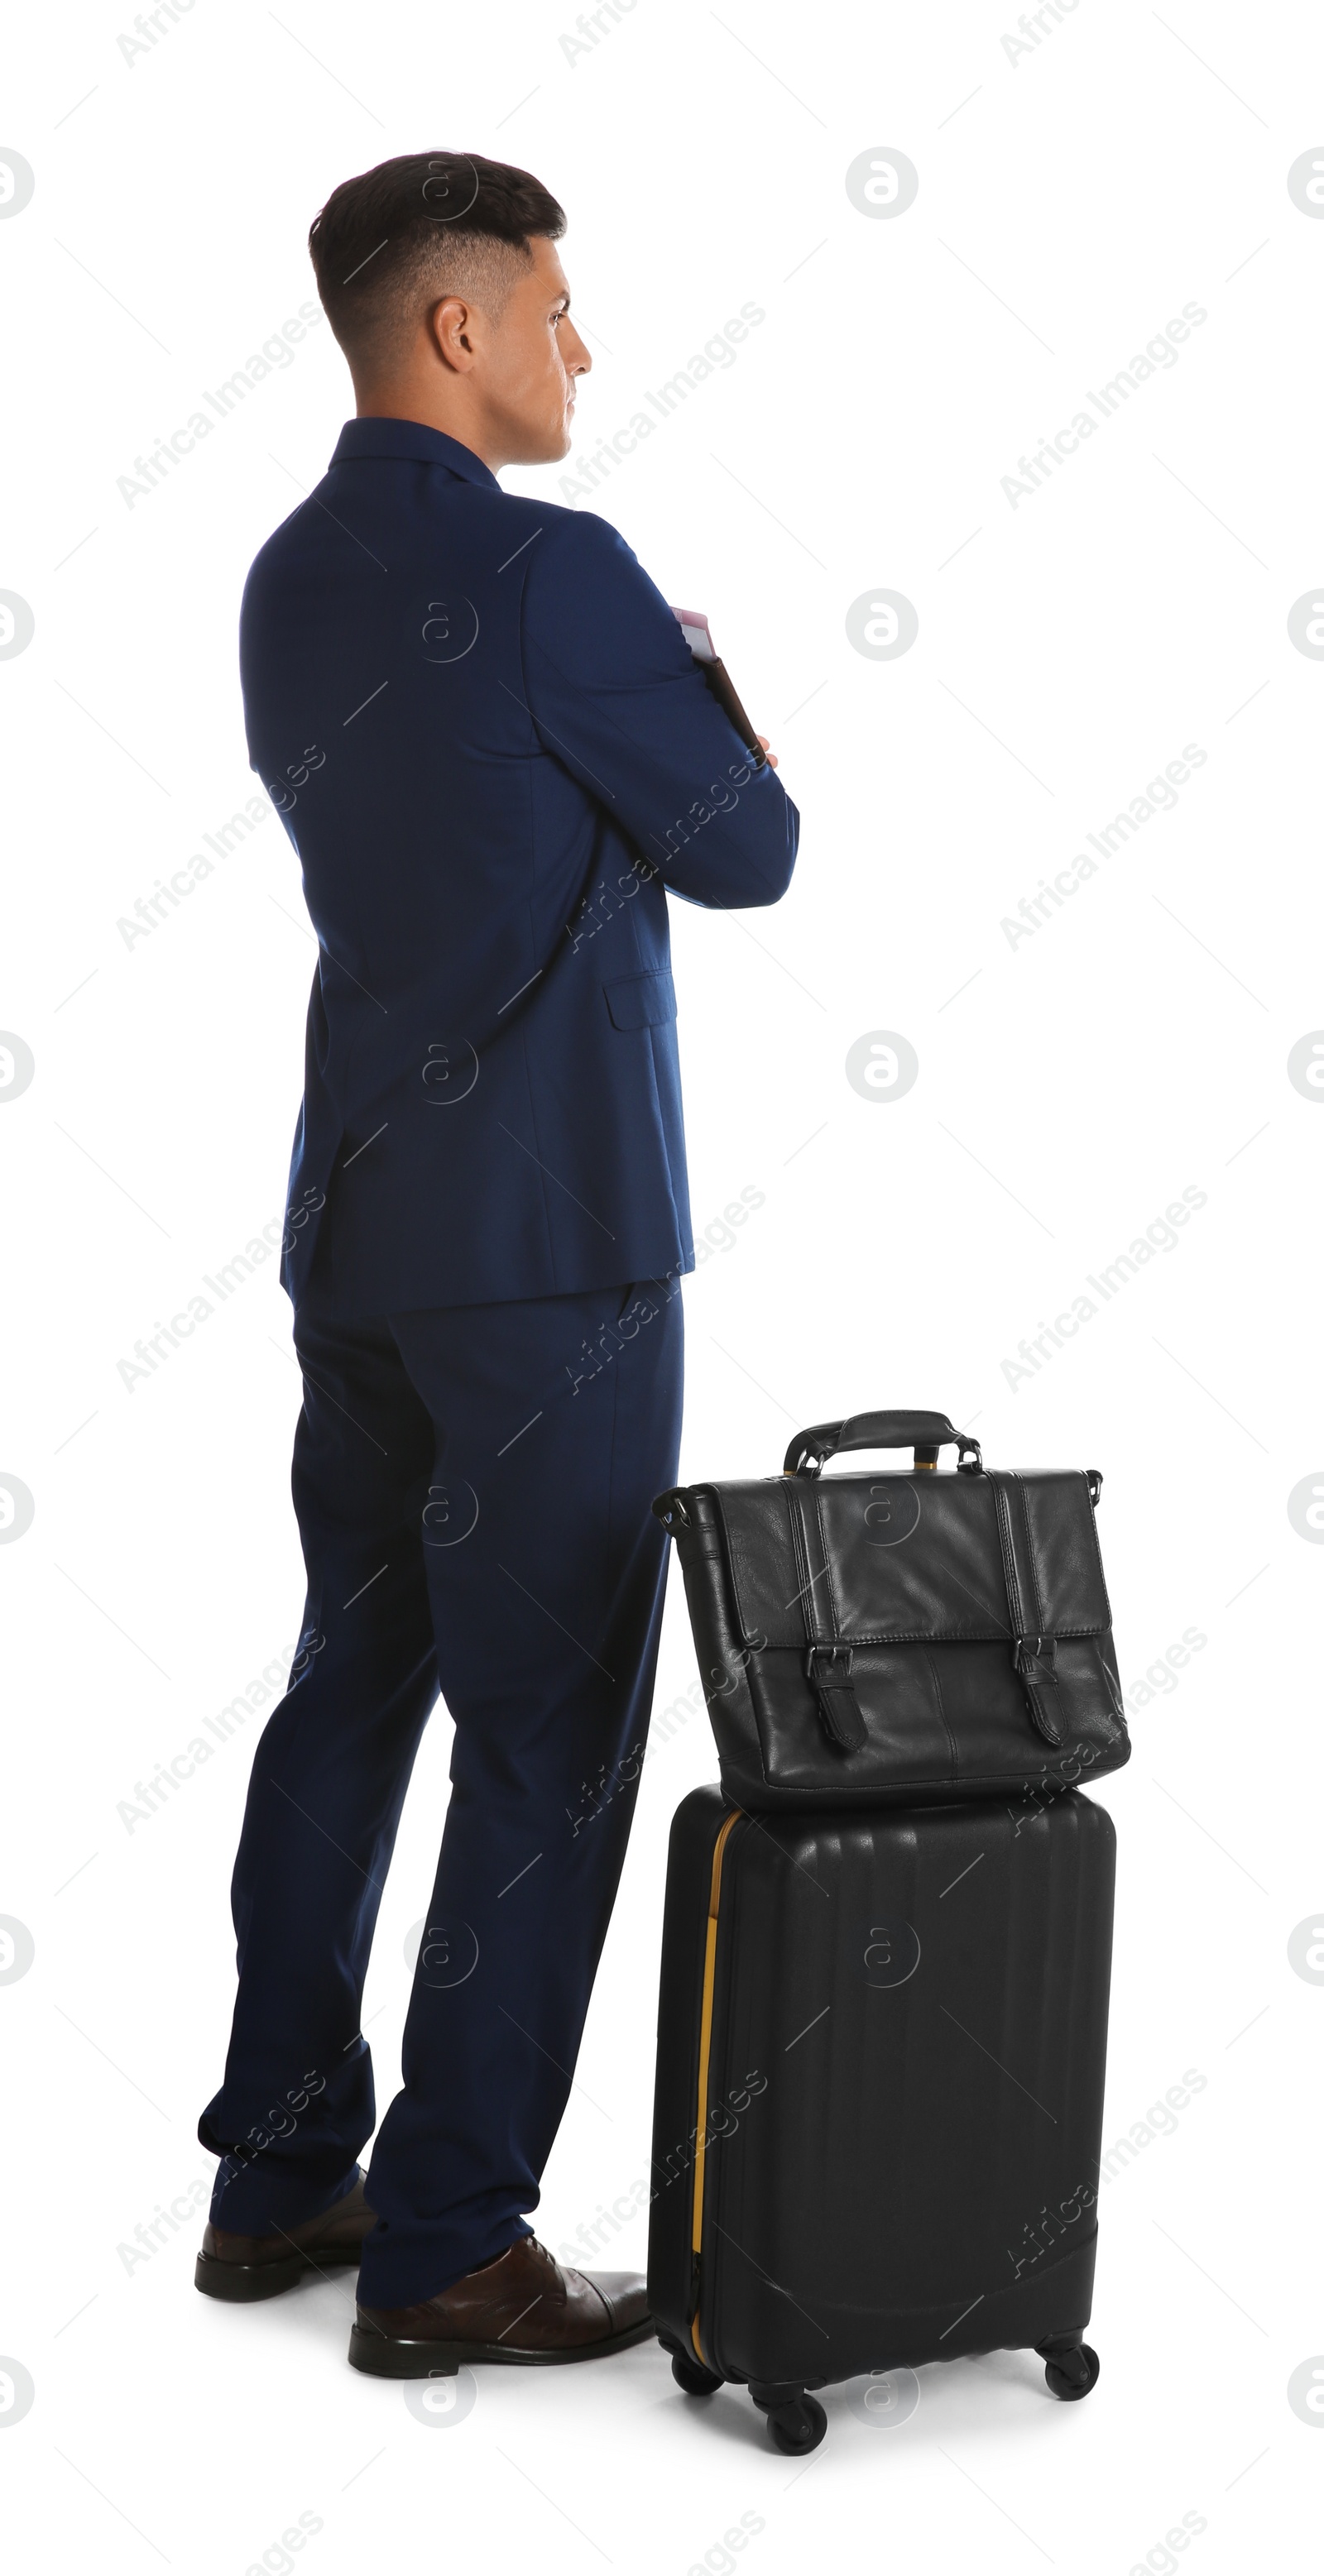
(494, 756)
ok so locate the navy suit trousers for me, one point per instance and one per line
(472, 1487)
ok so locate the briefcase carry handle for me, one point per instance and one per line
(925, 1433)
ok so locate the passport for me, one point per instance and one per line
(698, 635)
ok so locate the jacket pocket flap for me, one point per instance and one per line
(642, 1001)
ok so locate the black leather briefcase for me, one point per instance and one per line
(880, 2075)
(901, 1637)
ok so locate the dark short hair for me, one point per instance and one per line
(414, 227)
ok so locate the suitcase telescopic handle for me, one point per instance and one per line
(925, 1433)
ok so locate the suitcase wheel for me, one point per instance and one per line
(796, 2421)
(1071, 2370)
(690, 2376)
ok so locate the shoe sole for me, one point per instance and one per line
(245, 2282)
(395, 2357)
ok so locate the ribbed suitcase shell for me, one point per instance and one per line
(897, 2157)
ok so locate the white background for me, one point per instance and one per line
(1069, 1088)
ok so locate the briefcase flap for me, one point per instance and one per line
(904, 1559)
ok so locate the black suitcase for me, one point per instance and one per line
(879, 2096)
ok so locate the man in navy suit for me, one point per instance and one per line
(494, 758)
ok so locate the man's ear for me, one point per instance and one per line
(451, 326)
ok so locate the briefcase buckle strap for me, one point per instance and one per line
(1033, 1657)
(1035, 1660)
(828, 1669)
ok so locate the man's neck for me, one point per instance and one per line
(404, 401)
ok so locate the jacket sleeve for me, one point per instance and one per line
(614, 695)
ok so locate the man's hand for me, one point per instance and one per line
(762, 740)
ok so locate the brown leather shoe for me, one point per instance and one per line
(523, 2307)
(259, 2267)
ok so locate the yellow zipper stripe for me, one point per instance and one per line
(705, 2043)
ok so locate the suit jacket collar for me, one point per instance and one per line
(412, 438)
